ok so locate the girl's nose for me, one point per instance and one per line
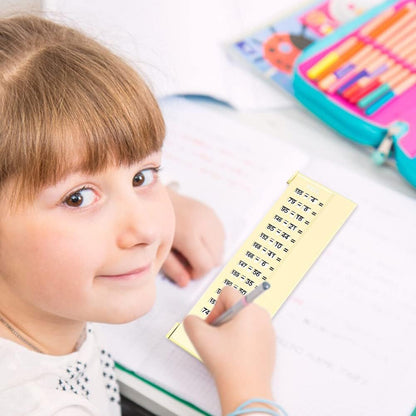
(137, 224)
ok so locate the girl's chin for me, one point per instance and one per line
(131, 309)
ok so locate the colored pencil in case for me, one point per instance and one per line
(373, 64)
(342, 59)
(392, 75)
(330, 58)
(385, 80)
(392, 32)
(366, 68)
(396, 30)
(385, 99)
(351, 77)
(385, 66)
(337, 84)
(405, 51)
(356, 90)
(345, 70)
(407, 54)
(349, 83)
(401, 38)
(360, 92)
(331, 83)
(400, 49)
(388, 82)
(371, 30)
(399, 43)
(375, 68)
(361, 89)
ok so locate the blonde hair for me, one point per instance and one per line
(66, 102)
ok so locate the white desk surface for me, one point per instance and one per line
(295, 125)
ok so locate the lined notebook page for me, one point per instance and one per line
(345, 337)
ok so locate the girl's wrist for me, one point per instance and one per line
(232, 394)
(258, 406)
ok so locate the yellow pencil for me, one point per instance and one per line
(330, 58)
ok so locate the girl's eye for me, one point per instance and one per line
(81, 198)
(145, 177)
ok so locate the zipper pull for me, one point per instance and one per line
(383, 150)
(381, 154)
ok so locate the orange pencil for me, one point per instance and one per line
(372, 66)
(332, 56)
(401, 38)
(359, 44)
(359, 61)
(370, 31)
(386, 24)
(397, 29)
(346, 69)
(402, 49)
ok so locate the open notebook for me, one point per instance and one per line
(345, 337)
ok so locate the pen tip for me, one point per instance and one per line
(266, 285)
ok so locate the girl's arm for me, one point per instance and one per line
(240, 354)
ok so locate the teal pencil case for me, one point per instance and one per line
(361, 80)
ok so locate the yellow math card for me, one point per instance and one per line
(280, 250)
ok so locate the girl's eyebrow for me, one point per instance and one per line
(79, 167)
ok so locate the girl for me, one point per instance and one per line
(85, 226)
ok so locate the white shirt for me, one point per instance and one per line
(78, 384)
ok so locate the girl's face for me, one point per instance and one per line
(89, 247)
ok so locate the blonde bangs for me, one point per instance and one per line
(67, 102)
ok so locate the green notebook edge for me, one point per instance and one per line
(168, 393)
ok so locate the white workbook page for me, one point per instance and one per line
(346, 336)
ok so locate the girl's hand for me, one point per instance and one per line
(240, 354)
(198, 242)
